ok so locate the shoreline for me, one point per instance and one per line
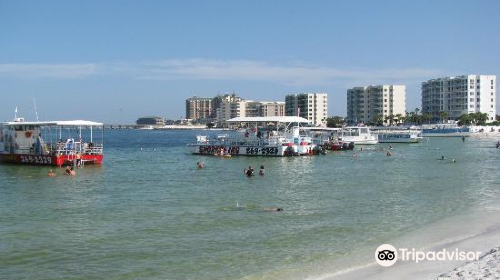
(478, 230)
(487, 267)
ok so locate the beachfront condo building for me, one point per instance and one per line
(311, 106)
(204, 109)
(199, 108)
(459, 95)
(249, 108)
(376, 103)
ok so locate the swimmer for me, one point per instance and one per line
(69, 171)
(389, 154)
(262, 171)
(355, 155)
(453, 160)
(390, 146)
(442, 158)
(498, 145)
(273, 209)
(249, 171)
(51, 173)
(200, 165)
(463, 138)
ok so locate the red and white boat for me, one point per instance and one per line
(41, 143)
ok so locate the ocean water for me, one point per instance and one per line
(149, 213)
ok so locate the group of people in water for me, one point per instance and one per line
(69, 171)
(249, 172)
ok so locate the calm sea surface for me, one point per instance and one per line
(151, 214)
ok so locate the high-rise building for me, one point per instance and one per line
(370, 104)
(459, 95)
(311, 106)
(249, 108)
(199, 108)
(205, 108)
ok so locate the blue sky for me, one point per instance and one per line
(114, 61)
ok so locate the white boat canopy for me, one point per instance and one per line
(284, 119)
(56, 123)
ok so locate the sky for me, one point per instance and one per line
(115, 61)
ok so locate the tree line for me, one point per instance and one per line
(414, 118)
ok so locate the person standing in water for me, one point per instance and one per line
(463, 138)
(262, 171)
(200, 165)
(249, 172)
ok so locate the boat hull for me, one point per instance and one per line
(252, 150)
(395, 140)
(50, 160)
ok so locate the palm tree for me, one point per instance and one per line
(398, 118)
(425, 117)
(443, 115)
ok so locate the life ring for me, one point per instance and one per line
(27, 134)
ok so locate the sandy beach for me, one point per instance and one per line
(476, 231)
(487, 267)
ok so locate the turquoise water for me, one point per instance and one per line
(151, 214)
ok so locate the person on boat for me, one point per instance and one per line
(200, 165)
(78, 160)
(51, 173)
(262, 171)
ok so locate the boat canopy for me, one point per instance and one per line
(317, 128)
(56, 123)
(283, 119)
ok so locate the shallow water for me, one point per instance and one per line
(151, 214)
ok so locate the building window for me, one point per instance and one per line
(472, 100)
(471, 93)
(478, 100)
(471, 106)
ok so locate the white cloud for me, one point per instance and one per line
(294, 75)
(203, 69)
(48, 70)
